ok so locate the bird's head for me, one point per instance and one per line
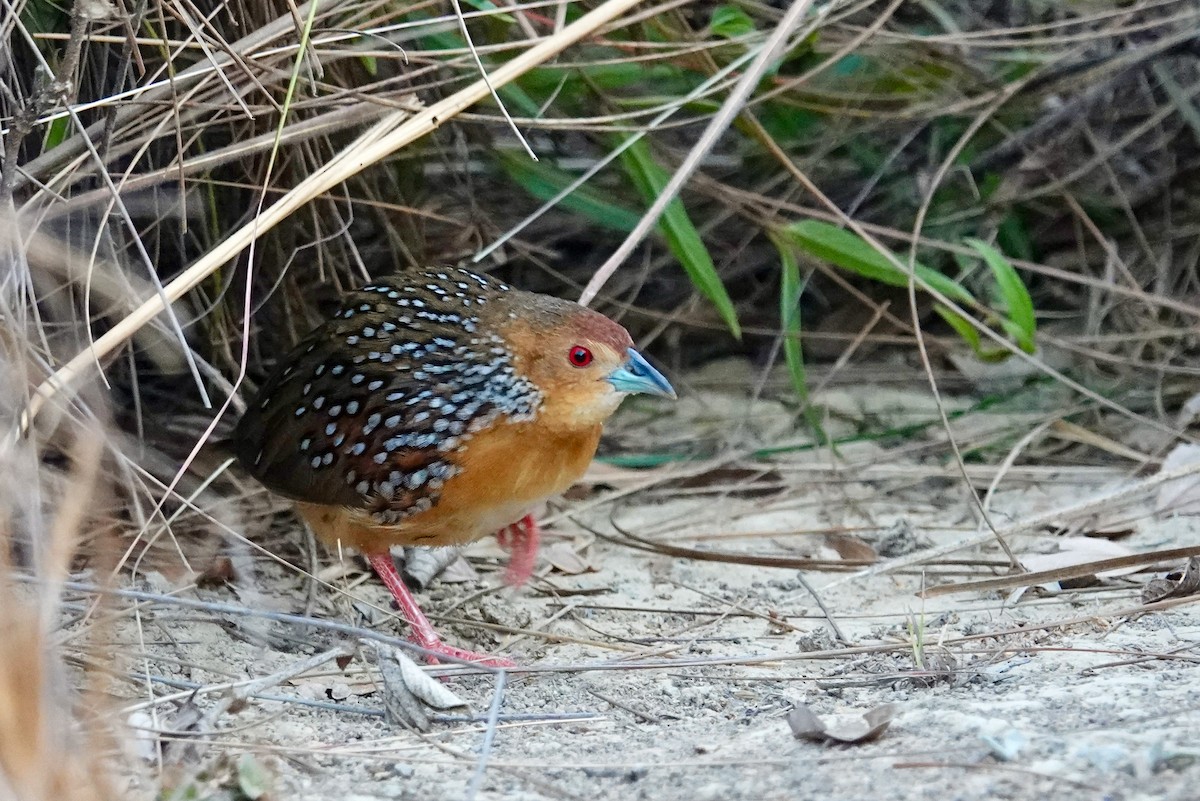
(583, 363)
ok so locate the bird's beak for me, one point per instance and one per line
(636, 375)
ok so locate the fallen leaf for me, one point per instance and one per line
(565, 559)
(1174, 585)
(844, 729)
(737, 481)
(851, 548)
(1073, 432)
(408, 690)
(459, 571)
(1077, 551)
(423, 565)
(219, 573)
(1112, 531)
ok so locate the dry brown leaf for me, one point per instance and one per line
(422, 565)
(1074, 432)
(565, 560)
(844, 729)
(738, 481)
(459, 571)
(1174, 585)
(851, 548)
(408, 690)
(219, 573)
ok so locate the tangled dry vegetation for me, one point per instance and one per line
(929, 290)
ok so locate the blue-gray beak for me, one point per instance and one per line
(636, 375)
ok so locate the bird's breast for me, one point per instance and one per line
(504, 473)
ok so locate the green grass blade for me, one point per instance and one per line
(790, 289)
(961, 327)
(851, 252)
(1022, 321)
(56, 132)
(789, 317)
(682, 237)
(730, 22)
(970, 335)
(544, 181)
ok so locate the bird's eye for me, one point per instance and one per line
(579, 356)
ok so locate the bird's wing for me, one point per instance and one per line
(374, 408)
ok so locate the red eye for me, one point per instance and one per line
(580, 356)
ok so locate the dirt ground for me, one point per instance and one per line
(656, 676)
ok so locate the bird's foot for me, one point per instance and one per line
(521, 540)
(422, 630)
(438, 648)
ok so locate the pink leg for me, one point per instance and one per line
(521, 541)
(422, 630)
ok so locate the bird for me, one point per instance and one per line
(436, 407)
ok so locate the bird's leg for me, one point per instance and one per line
(521, 541)
(422, 630)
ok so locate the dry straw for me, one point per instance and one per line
(384, 138)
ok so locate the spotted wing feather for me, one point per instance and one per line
(374, 408)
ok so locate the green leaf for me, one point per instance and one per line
(961, 327)
(850, 251)
(1012, 236)
(544, 181)
(730, 22)
(1021, 324)
(789, 317)
(56, 132)
(487, 5)
(790, 289)
(514, 97)
(970, 335)
(682, 237)
(571, 79)
(44, 16)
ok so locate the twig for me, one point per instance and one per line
(629, 141)
(192, 687)
(393, 132)
(489, 736)
(720, 121)
(669, 664)
(837, 632)
(54, 91)
(637, 713)
(483, 75)
(251, 688)
(1062, 573)
(1087, 507)
(217, 607)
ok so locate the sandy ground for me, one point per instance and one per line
(660, 677)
